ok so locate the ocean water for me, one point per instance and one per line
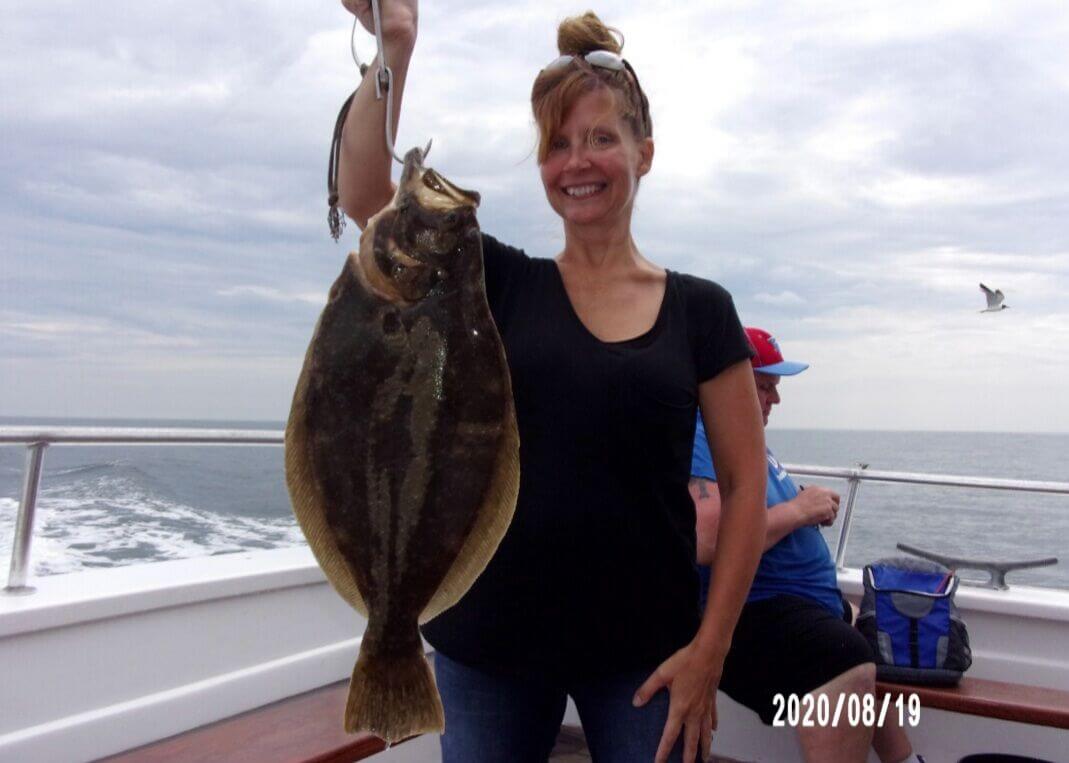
(103, 506)
(970, 523)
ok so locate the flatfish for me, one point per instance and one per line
(402, 455)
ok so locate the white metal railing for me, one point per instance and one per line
(860, 473)
(37, 439)
(136, 436)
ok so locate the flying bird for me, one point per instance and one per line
(994, 300)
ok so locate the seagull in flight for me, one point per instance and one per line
(994, 300)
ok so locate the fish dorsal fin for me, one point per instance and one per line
(309, 505)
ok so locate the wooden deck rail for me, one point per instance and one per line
(306, 728)
(992, 699)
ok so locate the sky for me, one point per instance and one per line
(849, 171)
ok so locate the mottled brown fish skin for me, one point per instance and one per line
(399, 495)
(401, 420)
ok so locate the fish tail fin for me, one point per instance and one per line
(393, 696)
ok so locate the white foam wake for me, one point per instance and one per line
(78, 532)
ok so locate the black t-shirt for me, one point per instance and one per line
(596, 572)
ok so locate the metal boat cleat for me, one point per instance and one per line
(996, 570)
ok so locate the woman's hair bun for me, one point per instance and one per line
(578, 35)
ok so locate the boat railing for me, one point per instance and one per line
(38, 439)
(859, 473)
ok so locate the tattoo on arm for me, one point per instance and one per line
(703, 486)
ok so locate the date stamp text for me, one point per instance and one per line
(809, 711)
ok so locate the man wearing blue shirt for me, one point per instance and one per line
(794, 634)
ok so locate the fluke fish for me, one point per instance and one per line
(402, 455)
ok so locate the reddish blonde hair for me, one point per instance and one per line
(555, 92)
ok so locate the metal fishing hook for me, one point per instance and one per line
(383, 78)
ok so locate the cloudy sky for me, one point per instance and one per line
(849, 171)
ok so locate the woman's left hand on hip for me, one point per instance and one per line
(691, 679)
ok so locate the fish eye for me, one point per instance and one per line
(433, 184)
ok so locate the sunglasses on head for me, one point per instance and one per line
(605, 59)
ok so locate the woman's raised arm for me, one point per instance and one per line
(364, 185)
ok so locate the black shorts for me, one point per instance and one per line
(788, 645)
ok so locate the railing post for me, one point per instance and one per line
(844, 531)
(20, 549)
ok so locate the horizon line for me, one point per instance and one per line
(281, 423)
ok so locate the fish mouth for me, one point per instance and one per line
(431, 190)
(413, 165)
(411, 247)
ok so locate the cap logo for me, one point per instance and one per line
(775, 345)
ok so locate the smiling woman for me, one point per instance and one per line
(595, 130)
(592, 164)
(609, 357)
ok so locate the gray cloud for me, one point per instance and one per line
(849, 173)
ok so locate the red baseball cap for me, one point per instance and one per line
(767, 358)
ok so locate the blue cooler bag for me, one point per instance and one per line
(910, 620)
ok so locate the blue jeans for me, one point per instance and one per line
(491, 718)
